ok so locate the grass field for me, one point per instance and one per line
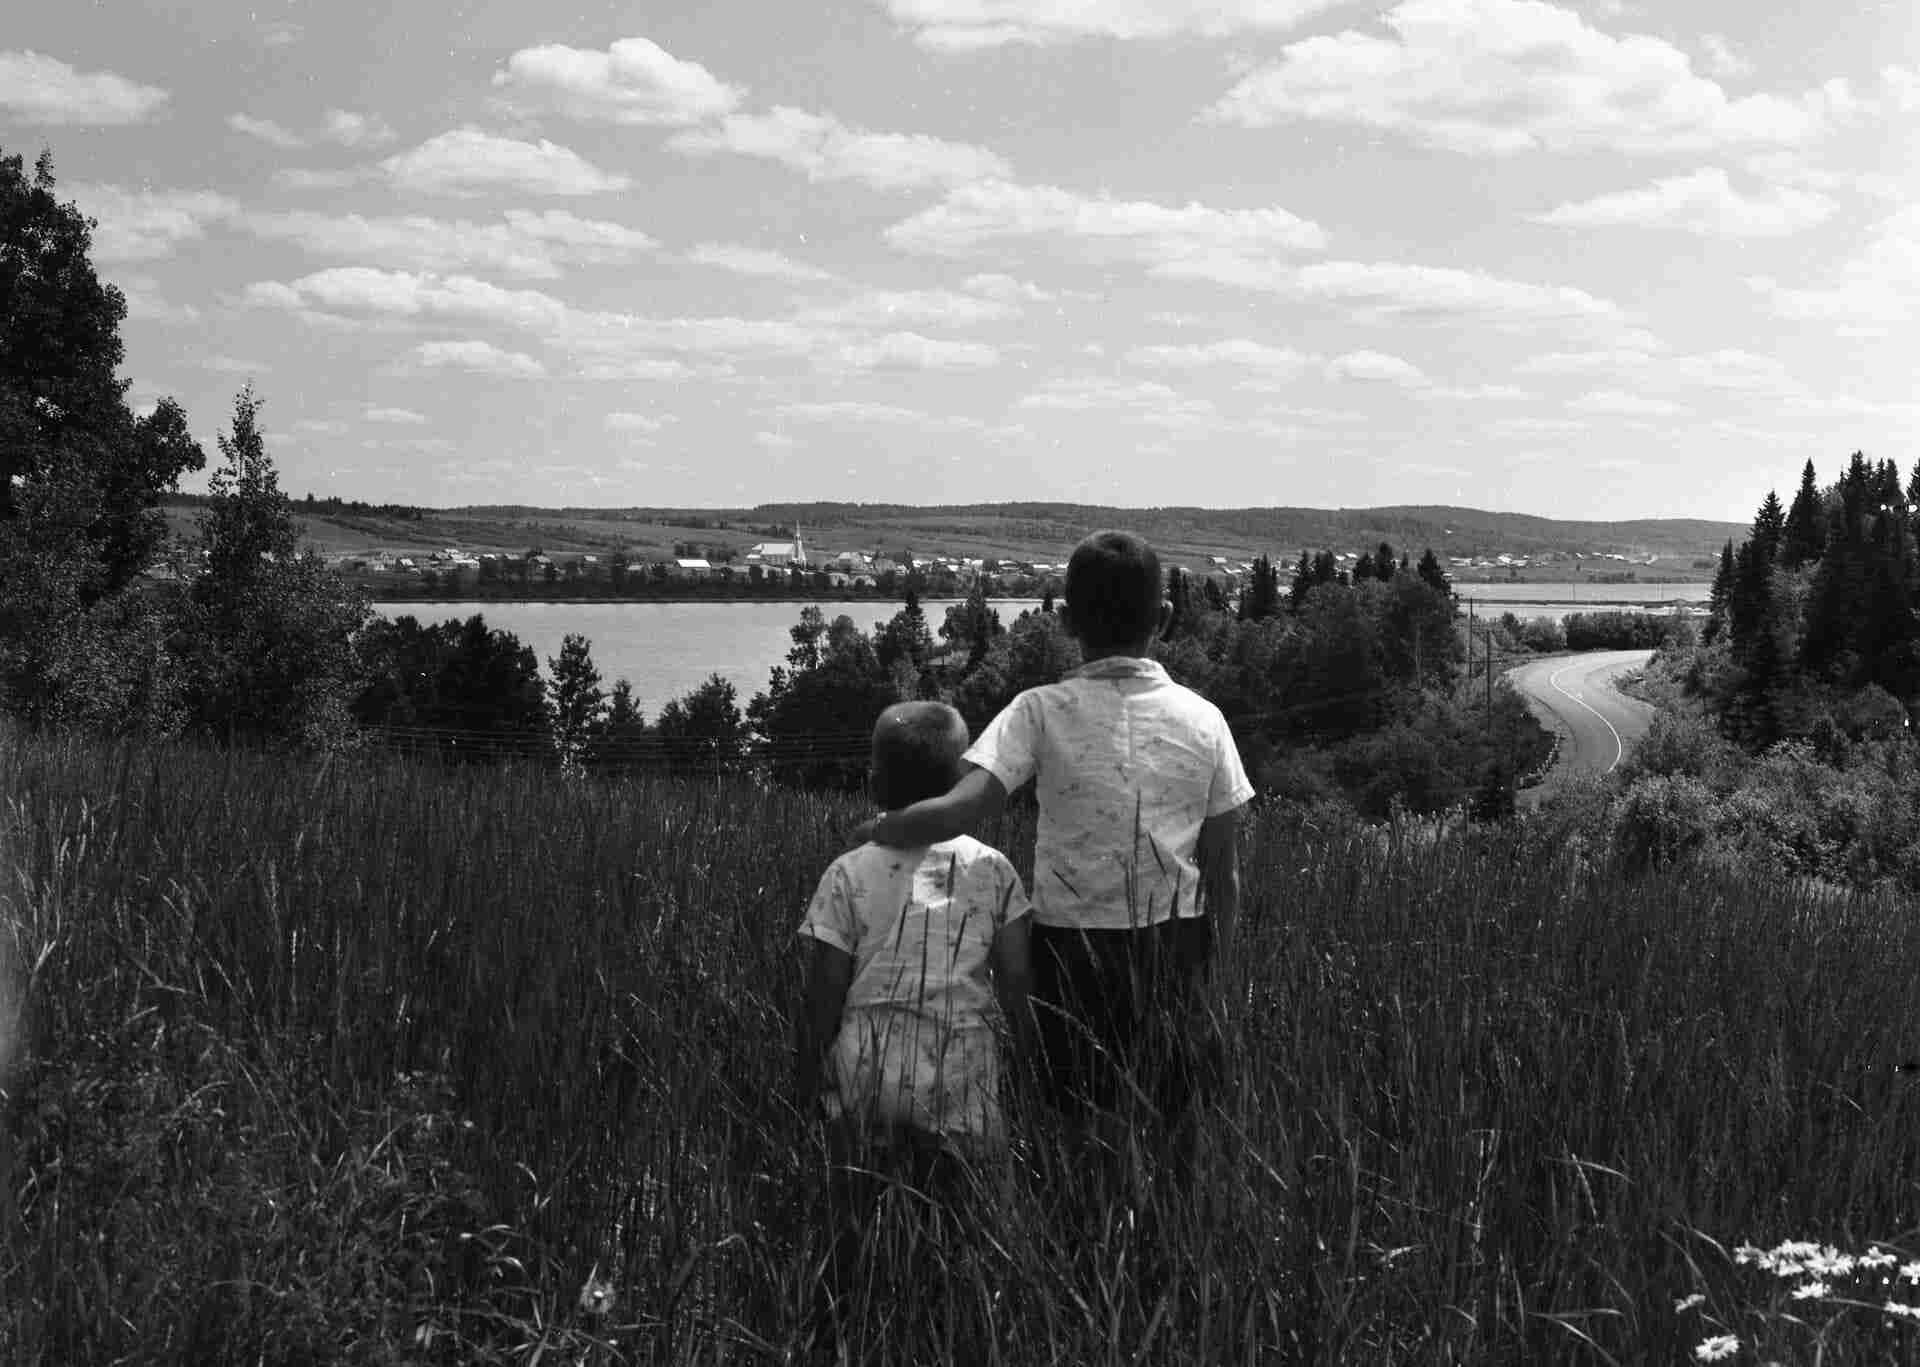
(373, 1063)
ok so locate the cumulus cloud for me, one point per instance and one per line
(1495, 77)
(43, 90)
(861, 413)
(269, 132)
(1000, 212)
(1728, 368)
(632, 423)
(1278, 362)
(634, 82)
(1874, 293)
(467, 161)
(533, 245)
(1006, 289)
(1620, 404)
(1390, 290)
(479, 358)
(900, 308)
(1376, 367)
(1702, 202)
(404, 294)
(608, 365)
(822, 148)
(971, 25)
(144, 225)
(1721, 60)
(912, 351)
(348, 129)
(756, 261)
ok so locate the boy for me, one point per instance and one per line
(1136, 872)
(907, 949)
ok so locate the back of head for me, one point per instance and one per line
(1113, 591)
(916, 752)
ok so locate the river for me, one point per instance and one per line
(667, 649)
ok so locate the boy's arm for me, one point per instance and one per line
(976, 798)
(1218, 855)
(1012, 961)
(829, 970)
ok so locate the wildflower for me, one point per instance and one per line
(1686, 1303)
(1880, 1257)
(1811, 1291)
(1910, 1272)
(596, 1297)
(1911, 1312)
(1716, 1348)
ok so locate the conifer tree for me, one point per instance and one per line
(1769, 526)
(1363, 567)
(1805, 533)
(1432, 575)
(1720, 596)
(1262, 598)
(1383, 563)
(1303, 582)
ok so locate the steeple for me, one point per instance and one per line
(799, 546)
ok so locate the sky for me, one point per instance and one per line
(1589, 259)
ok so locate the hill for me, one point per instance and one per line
(1006, 530)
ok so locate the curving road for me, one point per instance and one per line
(1574, 696)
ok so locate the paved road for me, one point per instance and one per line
(1574, 695)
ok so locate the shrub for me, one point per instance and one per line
(1662, 819)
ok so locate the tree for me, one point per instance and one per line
(1805, 532)
(1432, 575)
(704, 733)
(1769, 528)
(578, 703)
(62, 405)
(1383, 562)
(1262, 597)
(905, 636)
(457, 688)
(1303, 582)
(813, 722)
(1363, 567)
(271, 630)
(972, 625)
(1720, 596)
(620, 741)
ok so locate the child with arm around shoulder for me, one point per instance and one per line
(913, 959)
(1136, 865)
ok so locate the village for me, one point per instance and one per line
(783, 566)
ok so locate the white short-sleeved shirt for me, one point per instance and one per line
(917, 1045)
(1127, 764)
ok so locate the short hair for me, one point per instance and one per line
(1113, 591)
(916, 752)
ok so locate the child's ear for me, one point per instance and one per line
(1166, 617)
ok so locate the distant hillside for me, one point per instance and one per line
(1009, 530)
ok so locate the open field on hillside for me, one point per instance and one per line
(373, 1063)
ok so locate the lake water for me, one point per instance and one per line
(668, 649)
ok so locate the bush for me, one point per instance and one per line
(1661, 819)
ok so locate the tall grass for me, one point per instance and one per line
(377, 1063)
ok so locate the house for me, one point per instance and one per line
(691, 569)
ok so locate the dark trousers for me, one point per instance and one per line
(1122, 1019)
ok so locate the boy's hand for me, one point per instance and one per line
(863, 831)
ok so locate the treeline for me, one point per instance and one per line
(1786, 739)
